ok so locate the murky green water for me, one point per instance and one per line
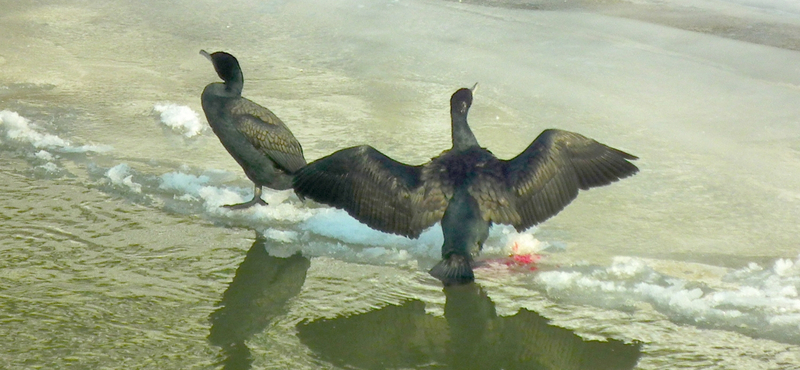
(114, 252)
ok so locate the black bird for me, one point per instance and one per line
(466, 187)
(254, 136)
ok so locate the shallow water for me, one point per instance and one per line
(114, 251)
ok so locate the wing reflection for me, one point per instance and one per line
(258, 293)
(471, 336)
(391, 337)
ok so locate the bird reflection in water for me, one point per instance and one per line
(262, 286)
(471, 336)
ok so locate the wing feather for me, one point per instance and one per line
(268, 134)
(547, 175)
(380, 192)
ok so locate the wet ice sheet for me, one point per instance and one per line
(760, 301)
(756, 301)
(714, 120)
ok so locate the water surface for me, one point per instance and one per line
(115, 253)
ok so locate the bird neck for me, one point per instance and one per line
(233, 86)
(463, 138)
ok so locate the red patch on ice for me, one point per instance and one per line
(518, 259)
(524, 260)
(515, 261)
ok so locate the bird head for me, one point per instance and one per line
(225, 64)
(462, 100)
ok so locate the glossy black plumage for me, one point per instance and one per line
(258, 140)
(464, 231)
(397, 198)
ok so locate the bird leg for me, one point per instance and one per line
(256, 200)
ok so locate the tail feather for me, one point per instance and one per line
(455, 270)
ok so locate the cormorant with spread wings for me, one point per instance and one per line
(467, 188)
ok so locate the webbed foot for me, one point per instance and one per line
(245, 205)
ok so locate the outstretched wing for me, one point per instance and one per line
(382, 193)
(267, 133)
(547, 175)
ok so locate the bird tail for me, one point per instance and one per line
(454, 270)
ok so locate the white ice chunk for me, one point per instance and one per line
(120, 175)
(187, 183)
(285, 236)
(180, 118)
(20, 129)
(783, 267)
(49, 167)
(44, 155)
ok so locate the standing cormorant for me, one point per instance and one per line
(253, 135)
(467, 188)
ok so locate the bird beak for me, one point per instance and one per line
(205, 54)
(474, 88)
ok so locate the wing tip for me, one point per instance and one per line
(625, 154)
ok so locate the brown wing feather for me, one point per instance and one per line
(382, 193)
(547, 175)
(267, 133)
